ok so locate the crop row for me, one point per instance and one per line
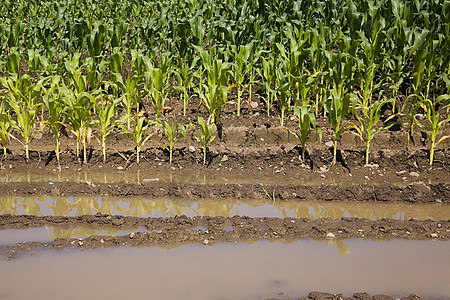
(336, 58)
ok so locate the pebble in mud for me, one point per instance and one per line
(191, 149)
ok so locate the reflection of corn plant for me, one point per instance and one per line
(24, 95)
(173, 134)
(5, 127)
(57, 111)
(206, 136)
(138, 132)
(306, 124)
(106, 110)
(434, 125)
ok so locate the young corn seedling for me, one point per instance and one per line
(23, 98)
(241, 55)
(434, 124)
(306, 124)
(267, 73)
(214, 93)
(79, 116)
(185, 76)
(5, 127)
(57, 111)
(157, 81)
(106, 109)
(368, 114)
(337, 107)
(206, 136)
(173, 134)
(138, 132)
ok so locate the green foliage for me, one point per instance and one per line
(106, 109)
(138, 131)
(434, 120)
(23, 94)
(306, 125)
(206, 136)
(173, 133)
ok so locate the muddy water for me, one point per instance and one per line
(49, 233)
(99, 175)
(231, 271)
(144, 207)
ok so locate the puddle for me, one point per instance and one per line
(12, 236)
(142, 207)
(97, 175)
(240, 271)
(49, 233)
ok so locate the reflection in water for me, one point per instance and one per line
(142, 207)
(260, 270)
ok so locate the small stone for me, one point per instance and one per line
(224, 158)
(119, 168)
(434, 235)
(322, 175)
(366, 177)
(360, 230)
(205, 242)
(50, 183)
(148, 180)
(330, 235)
(323, 169)
(329, 144)
(80, 243)
(439, 225)
(414, 174)
(401, 172)
(253, 104)
(102, 241)
(132, 235)
(372, 166)
(191, 149)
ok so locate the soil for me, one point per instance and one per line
(181, 230)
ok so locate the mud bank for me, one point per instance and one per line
(413, 193)
(181, 230)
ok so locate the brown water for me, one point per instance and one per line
(231, 271)
(98, 175)
(145, 207)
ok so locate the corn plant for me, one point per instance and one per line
(157, 82)
(337, 107)
(267, 73)
(434, 122)
(185, 76)
(138, 131)
(368, 114)
(306, 124)
(57, 111)
(106, 109)
(23, 98)
(173, 134)
(240, 55)
(214, 93)
(5, 127)
(206, 136)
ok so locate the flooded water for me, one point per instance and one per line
(145, 207)
(231, 271)
(98, 175)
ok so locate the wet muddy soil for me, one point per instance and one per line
(255, 159)
(417, 192)
(181, 230)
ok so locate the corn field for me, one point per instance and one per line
(101, 66)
